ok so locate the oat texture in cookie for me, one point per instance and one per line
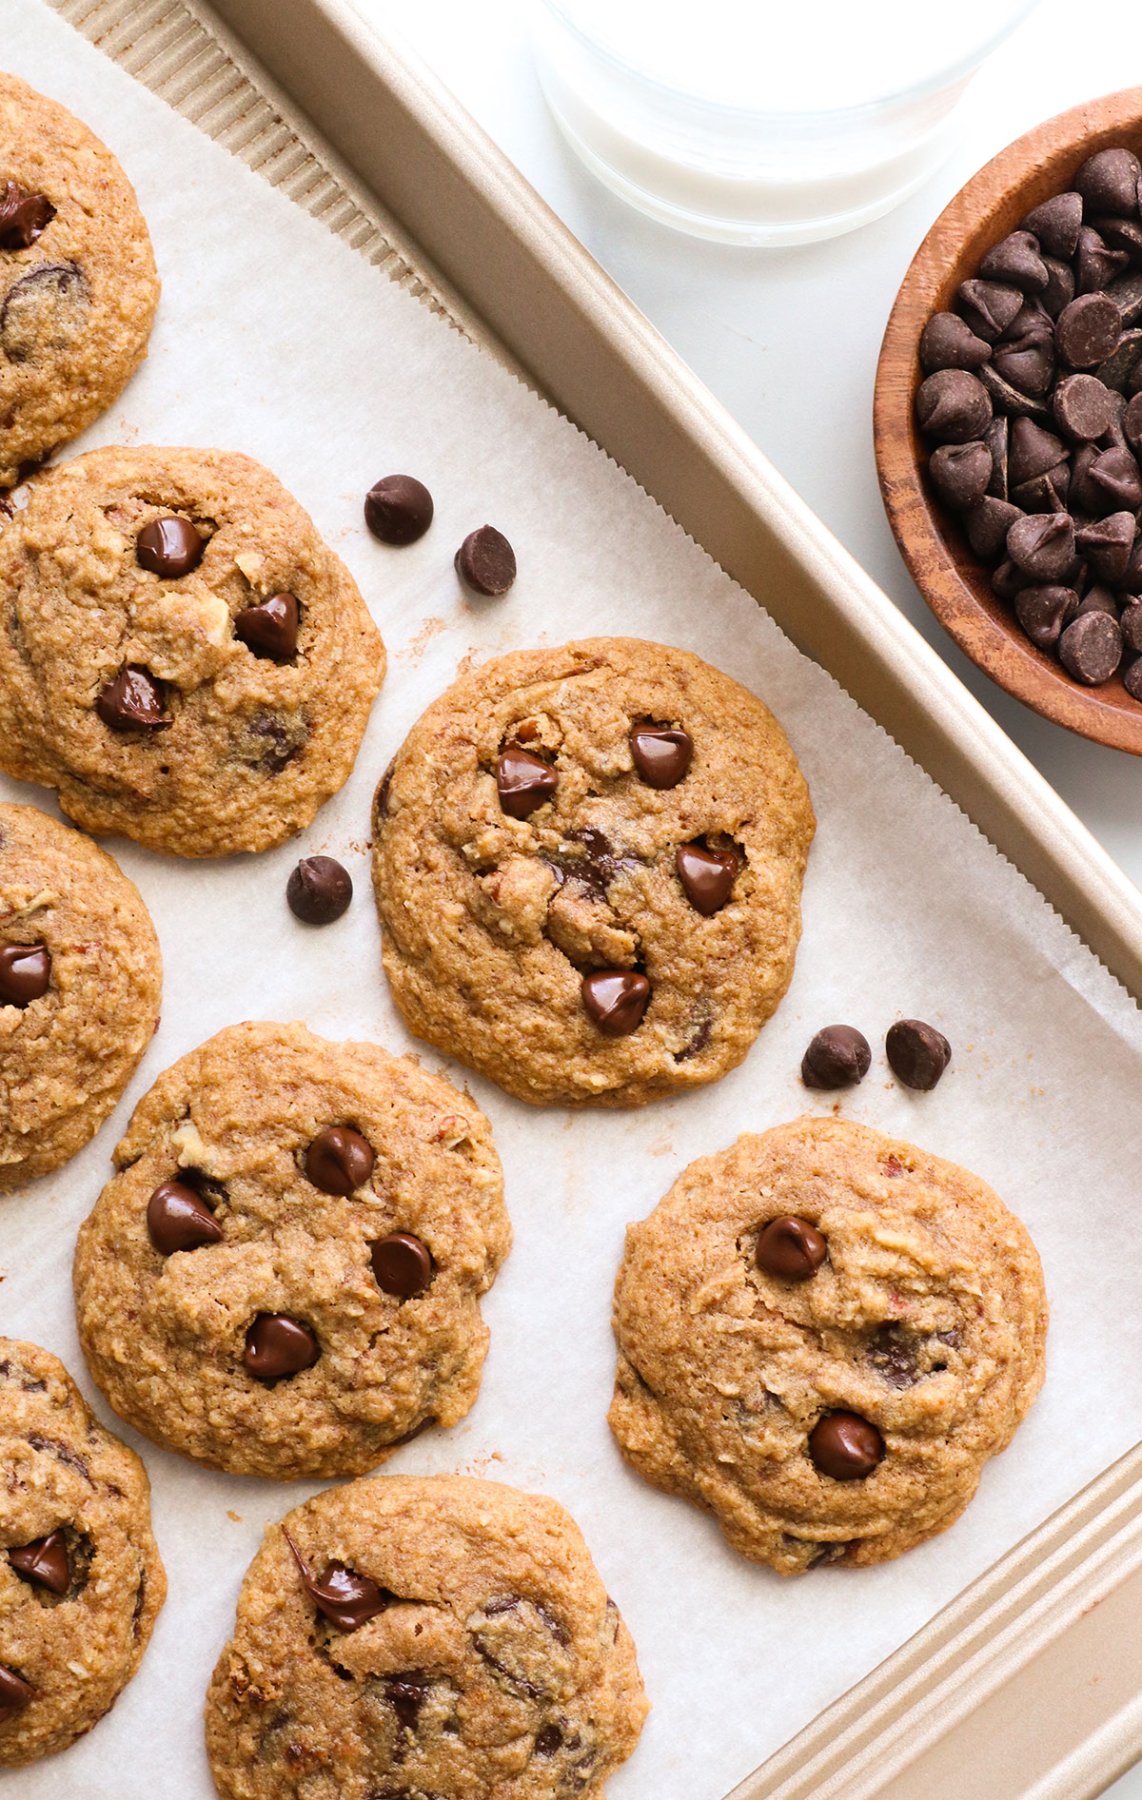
(283, 1277)
(80, 987)
(588, 865)
(423, 1638)
(180, 653)
(81, 1583)
(824, 1333)
(78, 288)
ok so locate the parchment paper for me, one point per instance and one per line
(276, 339)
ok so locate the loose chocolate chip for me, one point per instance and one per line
(270, 629)
(1126, 293)
(947, 343)
(845, 1447)
(1130, 625)
(838, 1056)
(15, 1693)
(485, 562)
(1056, 224)
(1097, 599)
(402, 1264)
(1042, 611)
(277, 1345)
(169, 546)
(707, 876)
(1010, 400)
(524, 782)
(917, 1053)
(339, 1160)
(1096, 264)
(44, 1563)
(23, 216)
(1027, 363)
(1115, 473)
(1044, 493)
(1090, 648)
(1088, 330)
(1016, 260)
(662, 754)
(952, 406)
(988, 306)
(1132, 422)
(44, 309)
(1008, 581)
(398, 509)
(1032, 451)
(1060, 288)
(1108, 182)
(346, 1599)
(25, 973)
(1106, 545)
(179, 1219)
(790, 1249)
(133, 701)
(1121, 234)
(1043, 545)
(319, 890)
(616, 1000)
(1083, 406)
(1132, 680)
(961, 473)
(988, 524)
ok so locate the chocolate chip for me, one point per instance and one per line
(1106, 545)
(1132, 680)
(892, 1353)
(45, 309)
(1032, 451)
(987, 526)
(1121, 234)
(1016, 260)
(25, 973)
(1055, 222)
(548, 1741)
(961, 473)
(616, 1000)
(1060, 288)
(1083, 406)
(398, 509)
(838, 1056)
(1097, 599)
(988, 306)
(270, 628)
(1010, 400)
(1043, 545)
(1008, 581)
(319, 890)
(44, 1563)
(524, 782)
(339, 1160)
(1096, 264)
(1108, 182)
(790, 1249)
(346, 1599)
(845, 1447)
(1115, 473)
(15, 1693)
(947, 343)
(277, 1345)
(1090, 648)
(1042, 612)
(133, 701)
(1130, 625)
(1132, 422)
(179, 1219)
(707, 876)
(24, 215)
(402, 1264)
(485, 562)
(917, 1053)
(662, 754)
(1027, 363)
(952, 406)
(1088, 330)
(169, 546)
(406, 1697)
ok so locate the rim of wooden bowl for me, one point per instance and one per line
(933, 545)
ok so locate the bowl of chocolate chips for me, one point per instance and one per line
(1008, 419)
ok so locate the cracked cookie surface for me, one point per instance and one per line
(588, 865)
(918, 1312)
(248, 1318)
(180, 653)
(80, 988)
(81, 1583)
(78, 287)
(481, 1658)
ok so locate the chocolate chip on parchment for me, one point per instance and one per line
(402, 1265)
(961, 473)
(1082, 406)
(339, 1160)
(1107, 182)
(347, 1599)
(1088, 330)
(485, 562)
(398, 509)
(707, 876)
(319, 890)
(790, 1249)
(1043, 610)
(169, 546)
(25, 973)
(1055, 222)
(270, 628)
(1090, 648)
(523, 781)
(133, 701)
(948, 343)
(44, 1563)
(662, 754)
(838, 1056)
(845, 1447)
(15, 1693)
(917, 1053)
(277, 1345)
(616, 1000)
(952, 406)
(179, 1219)
(24, 215)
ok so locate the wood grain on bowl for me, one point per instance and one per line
(931, 539)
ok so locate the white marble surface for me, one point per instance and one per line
(765, 331)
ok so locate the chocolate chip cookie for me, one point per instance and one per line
(180, 654)
(588, 867)
(78, 288)
(81, 1583)
(283, 1277)
(823, 1335)
(80, 986)
(419, 1638)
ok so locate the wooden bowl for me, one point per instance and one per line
(931, 540)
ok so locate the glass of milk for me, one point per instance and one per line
(763, 121)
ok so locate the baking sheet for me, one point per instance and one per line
(275, 339)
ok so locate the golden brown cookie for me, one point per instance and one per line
(284, 1276)
(81, 1583)
(588, 866)
(823, 1335)
(180, 654)
(78, 288)
(80, 988)
(422, 1638)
